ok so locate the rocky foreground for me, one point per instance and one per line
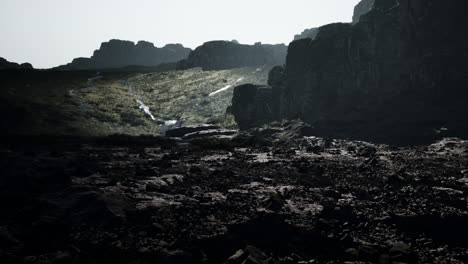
(267, 196)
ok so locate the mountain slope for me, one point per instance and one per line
(84, 103)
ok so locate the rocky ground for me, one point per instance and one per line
(267, 196)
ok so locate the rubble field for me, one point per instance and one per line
(250, 198)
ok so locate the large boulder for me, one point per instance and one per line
(120, 53)
(221, 55)
(251, 105)
(277, 81)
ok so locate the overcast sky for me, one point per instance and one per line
(49, 33)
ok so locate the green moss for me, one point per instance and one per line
(109, 106)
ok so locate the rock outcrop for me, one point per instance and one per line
(401, 72)
(362, 8)
(120, 53)
(6, 65)
(222, 55)
(310, 33)
(252, 105)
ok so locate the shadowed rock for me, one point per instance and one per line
(394, 77)
(221, 55)
(307, 33)
(251, 105)
(6, 65)
(120, 53)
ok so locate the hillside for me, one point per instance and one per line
(5, 65)
(84, 103)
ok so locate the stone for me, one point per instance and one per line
(237, 258)
(391, 78)
(210, 133)
(401, 252)
(182, 131)
(251, 105)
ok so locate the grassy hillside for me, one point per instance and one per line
(86, 103)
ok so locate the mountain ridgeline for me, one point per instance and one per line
(121, 53)
(7, 65)
(400, 73)
(221, 55)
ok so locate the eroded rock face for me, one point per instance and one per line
(277, 81)
(4, 64)
(362, 8)
(221, 55)
(251, 105)
(120, 53)
(399, 73)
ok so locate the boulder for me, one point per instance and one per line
(277, 81)
(251, 105)
(222, 55)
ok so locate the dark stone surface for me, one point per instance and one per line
(182, 131)
(273, 196)
(277, 81)
(120, 53)
(397, 76)
(221, 55)
(251, 105)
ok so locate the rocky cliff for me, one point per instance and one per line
(4, 65)
(401, 72)
(308, 33)
(362, 8)
(221, 55)
(120, 53)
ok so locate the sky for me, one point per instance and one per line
(48, 33)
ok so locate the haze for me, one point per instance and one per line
(49, 33)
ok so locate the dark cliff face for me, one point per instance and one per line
(221, 55)
(6, 65)
(402, 71)
(404, 66)
(362, 8)
(119, 53)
